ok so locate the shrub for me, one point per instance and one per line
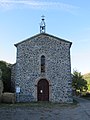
(78, 82)
(1, 90)
(0, 98)
(8, 97)
(1, 87)
(87, 95)
(6, 75)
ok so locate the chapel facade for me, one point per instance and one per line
(42, 71)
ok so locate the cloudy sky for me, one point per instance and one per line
(67, 19)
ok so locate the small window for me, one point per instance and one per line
(42, 63)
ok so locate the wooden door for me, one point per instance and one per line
(43, 90)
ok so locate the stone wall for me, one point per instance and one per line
(57, 68)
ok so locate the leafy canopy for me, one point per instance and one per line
(79, 83)
(6, 75)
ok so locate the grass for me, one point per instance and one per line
(39, 105)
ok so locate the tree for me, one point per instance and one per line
(6, 75)
(1, 83)
(79, 83)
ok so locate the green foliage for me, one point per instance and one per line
(1, 87)
(88, 87)
(6, 75)
(87, 78)
(79, 83)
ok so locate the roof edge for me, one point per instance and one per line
(43, 34)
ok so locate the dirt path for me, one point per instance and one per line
(79, 112)
(85, 105)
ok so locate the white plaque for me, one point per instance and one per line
(17, 89)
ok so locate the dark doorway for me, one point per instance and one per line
(43, 90)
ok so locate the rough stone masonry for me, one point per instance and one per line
(26, 72)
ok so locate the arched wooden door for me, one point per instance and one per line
(43, 90)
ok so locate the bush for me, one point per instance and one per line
(0, 98)
(1, 87)
(1, 90)
(8, 97)
(5, 75)
(87, 95)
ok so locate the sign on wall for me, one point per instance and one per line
(17, 89)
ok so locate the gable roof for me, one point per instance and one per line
(37, 35)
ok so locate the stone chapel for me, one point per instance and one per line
(42, 71)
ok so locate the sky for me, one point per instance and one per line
(66, 19)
